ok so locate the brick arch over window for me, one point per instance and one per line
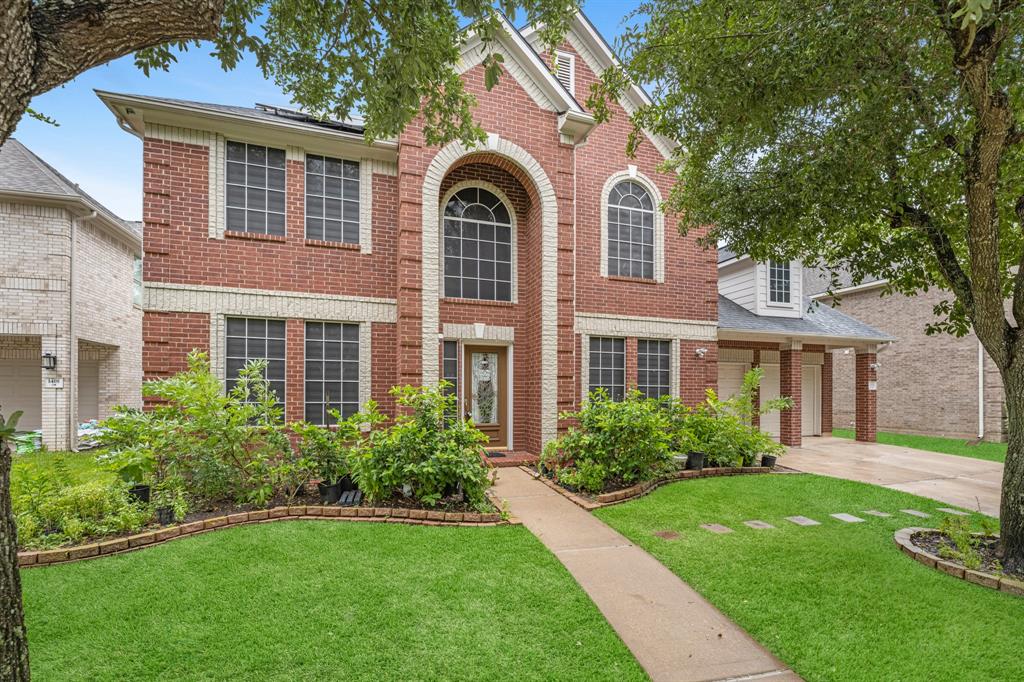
(659, 219)
(517, 161)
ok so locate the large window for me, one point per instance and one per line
(477, 246)
(332, 370)
(256, 339)
(608, 366)
(653, 366)
(255, 189)
(778, 281)
(630, 231)
(332, 199)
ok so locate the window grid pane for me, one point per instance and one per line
(255, 189)
(332, 371)
(630, 231)
(477, 247)
(653, 364)
(332, 199)
(256, 339)
(608, 366)
(778, 281)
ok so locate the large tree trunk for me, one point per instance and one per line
(1011, 510)
(13, 640)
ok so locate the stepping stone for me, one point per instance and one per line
(667, 534)
(875, 512)
(802, 521)
(716, 528)
(848, 518)
(954, 512)
(914, 512)
(760, 525)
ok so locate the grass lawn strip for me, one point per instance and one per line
(836, 601)
(297, 601)
(993, 452)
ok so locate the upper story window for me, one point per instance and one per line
(778, 281)
(477, 246)
(137, 281)
(255, 189)
(565, 70)
(332, 199)
(630, 231)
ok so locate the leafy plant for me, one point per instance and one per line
(328, 448)
(613, 442)
(426, 455)
(963, 544)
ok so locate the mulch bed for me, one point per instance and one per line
(932, 541)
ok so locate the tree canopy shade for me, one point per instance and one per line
(879, 136)
(387, 60)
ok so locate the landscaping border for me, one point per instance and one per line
(903, 540)
(633, 492)
(158, 536)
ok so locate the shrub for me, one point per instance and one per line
(613, 442)
(220, 445)
(426, 456)
(328, 449)
(50, 509)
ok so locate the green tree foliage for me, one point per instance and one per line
(884, 138)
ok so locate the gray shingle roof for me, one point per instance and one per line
(261, 112)
(816, 281)
(818, 320)
(22, 172)
(725, 253)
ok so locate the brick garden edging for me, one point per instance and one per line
(607, 499)
(1004, 583)
(304, 512)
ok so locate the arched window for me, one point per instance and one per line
(477, 246)
(630, 231)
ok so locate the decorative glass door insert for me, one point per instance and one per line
(484, 368)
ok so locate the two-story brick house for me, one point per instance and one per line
(527, 271)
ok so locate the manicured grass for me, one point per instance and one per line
(836, 601)
(81, 466)
(995, 452)
(308, 600)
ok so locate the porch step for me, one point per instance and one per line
(510, 459)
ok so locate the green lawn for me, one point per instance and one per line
(995, 452)
(836, 601)
(323, 600)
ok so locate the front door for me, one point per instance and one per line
(485, 390)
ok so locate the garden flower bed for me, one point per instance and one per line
(931, 547)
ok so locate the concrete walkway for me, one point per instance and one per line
(673, 632)
(962, 481)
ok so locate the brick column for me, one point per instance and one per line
(790, 384)
(412, 163)
(295, 370)
(632, 370)
(755, 420)
(867, 399)
(826, 395)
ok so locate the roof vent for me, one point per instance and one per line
(565, 71)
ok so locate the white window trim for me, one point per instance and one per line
(559, 55)
(768, 285)
(659, 220)
(482, 184)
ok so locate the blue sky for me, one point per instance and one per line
(91, 150)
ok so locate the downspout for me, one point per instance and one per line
(981, 391)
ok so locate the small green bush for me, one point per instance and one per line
(329, 448)
(613, 442)
(426, 455)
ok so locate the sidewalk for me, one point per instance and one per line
(673, 632)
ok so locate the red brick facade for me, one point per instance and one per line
(867, 396)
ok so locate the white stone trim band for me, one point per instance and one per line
(470, 332)
(600, 324)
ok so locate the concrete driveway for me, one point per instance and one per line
(962, 481)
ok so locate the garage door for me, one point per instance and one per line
(21, 389)
(770, 391)
(810, 398)
(88, 390)
(730, 378)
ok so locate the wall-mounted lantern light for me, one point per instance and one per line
(49, 361)
(701, 352)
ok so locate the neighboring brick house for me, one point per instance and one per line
(934, 385)
(526, 271)
(70, 298)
